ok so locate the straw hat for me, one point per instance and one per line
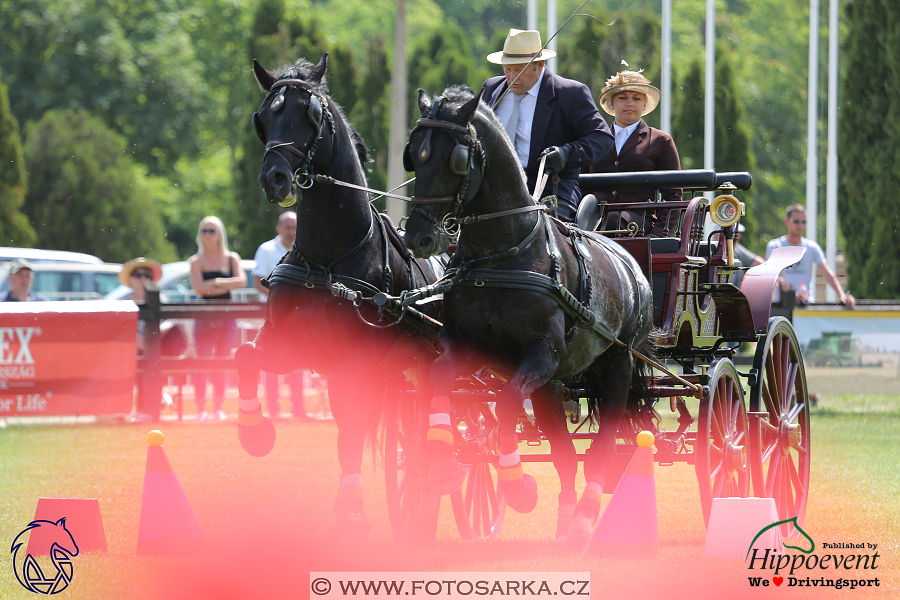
(520, 46)
(136, 263)
(628, 81)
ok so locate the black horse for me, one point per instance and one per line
(343, 252)
(542, 301)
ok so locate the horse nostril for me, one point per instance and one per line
(426, 242)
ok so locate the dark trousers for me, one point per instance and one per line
(212, 338)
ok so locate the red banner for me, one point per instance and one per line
(67, 358)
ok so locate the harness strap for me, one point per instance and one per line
(486, 260)
(535, 282)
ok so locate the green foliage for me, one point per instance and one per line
(437, 60)
(87, 194)
(130, 63)
(14, 227)
(870, 147)
(733, 141)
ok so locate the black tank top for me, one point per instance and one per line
(207, 275)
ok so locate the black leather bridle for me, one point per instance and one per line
(319, 113)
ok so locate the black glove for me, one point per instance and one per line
(557, 157)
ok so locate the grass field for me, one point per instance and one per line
(268, 520)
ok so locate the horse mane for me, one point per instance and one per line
(456, 96)
(302, 69)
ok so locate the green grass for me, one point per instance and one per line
(268, 520)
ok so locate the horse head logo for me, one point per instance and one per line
(62, 549)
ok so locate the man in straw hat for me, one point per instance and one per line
(627, 97)
(546, 114)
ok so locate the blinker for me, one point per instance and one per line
(278, 102)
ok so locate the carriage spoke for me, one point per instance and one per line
(774, 462)
(485, 505)
(795, 478)
(739, 437)
(789, 391)
(795, 412)
(768, 426)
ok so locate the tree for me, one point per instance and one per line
(131, 63)
(15, 230)
(869, 142)
(733, 144)
(87, 194)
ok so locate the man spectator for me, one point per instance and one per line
(546, 115)
(268, 256)
(798, 278)
(21, 276)
(742, 254)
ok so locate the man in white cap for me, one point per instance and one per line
(21, 276)
(546, 114)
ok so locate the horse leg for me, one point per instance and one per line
(445, 474)
(255, 432)
(613, 372)
(551, 419)
(353, 406)
(538, 364)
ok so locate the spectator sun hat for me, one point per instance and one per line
(132, 265)
(628, 81)
(520, 47)
(19, 264)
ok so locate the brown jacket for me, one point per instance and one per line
(646, 149)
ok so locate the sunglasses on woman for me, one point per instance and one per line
(142, 275)
(207, 230)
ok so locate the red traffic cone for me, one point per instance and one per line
(83, 522)
(628, 527)
(168, 523)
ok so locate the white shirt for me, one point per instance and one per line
(622, 134)
(526, 117)
(802, 272)
(267, 256)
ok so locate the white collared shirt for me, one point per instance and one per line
(526, 117)
(623, 133)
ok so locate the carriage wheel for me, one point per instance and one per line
(478, 506)
(779, 423)
(722, 433)
(411, 508)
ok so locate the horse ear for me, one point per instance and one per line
(61, 522)
(264, 78)
(318, 71)
(424, 103)
(467, 110)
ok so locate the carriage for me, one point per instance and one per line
(750, 432)
(347, 268)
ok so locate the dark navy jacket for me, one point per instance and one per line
(565, 113)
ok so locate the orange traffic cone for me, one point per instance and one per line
(628, 527)
(168, 523)
(83, 522)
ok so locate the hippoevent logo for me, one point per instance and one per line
(810, 569)
(51, 578)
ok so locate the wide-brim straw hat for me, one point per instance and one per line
(137, 263)
(520, 47)
(628, 81)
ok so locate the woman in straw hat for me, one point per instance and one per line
(628, 96)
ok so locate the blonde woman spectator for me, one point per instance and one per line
(215, 271)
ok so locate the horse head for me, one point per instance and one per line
(447, 153)
(296, 124)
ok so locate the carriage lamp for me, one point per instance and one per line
(725, 211)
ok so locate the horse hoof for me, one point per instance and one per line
(351, 527)
(579, 533)
(521, 495)
(445, 476)
(258, 440)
